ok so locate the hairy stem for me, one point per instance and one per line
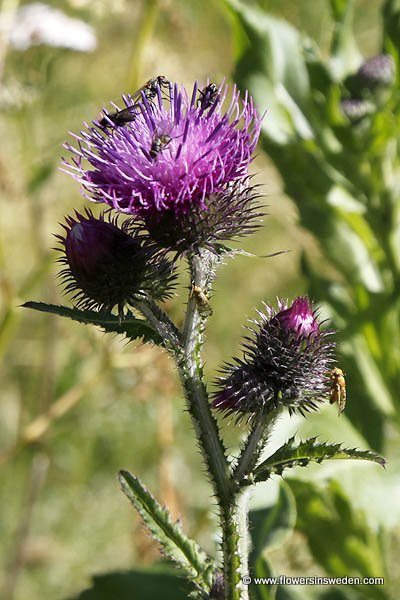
(161, 323)
(234, 546)
(232, 503)
(202, 267)
(254, 444)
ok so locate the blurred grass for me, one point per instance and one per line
(118, 406)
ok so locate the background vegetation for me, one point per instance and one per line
(77, 405)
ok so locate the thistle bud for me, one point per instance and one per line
(377, 71)
(107, 266)
(285, 363)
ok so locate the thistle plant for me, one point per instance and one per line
(172, 169)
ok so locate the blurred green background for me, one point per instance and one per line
(77, 405)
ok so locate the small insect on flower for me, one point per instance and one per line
(128, 114)
(202, 300)
(208, 96)
(159, 142)
(182, 171)
(337, 391)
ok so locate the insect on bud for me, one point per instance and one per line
(285, 362)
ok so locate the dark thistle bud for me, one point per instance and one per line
(285, 363)
(217, 591)
(356, 109)
(377, 71)
(108, 265)
(179, 162)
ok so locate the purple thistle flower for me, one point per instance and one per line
(285, 362)
(107, 266)
(376, 71)
(180, 166)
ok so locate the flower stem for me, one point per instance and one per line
(255, 444)
(234, 520)
(186, 347)
(190, 365)
(161, 323)
(232, 503)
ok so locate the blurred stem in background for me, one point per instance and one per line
(144, 32)
(7, 12)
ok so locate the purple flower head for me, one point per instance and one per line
(376, 71)
(107, 266)
(285, 362)
(177, 162)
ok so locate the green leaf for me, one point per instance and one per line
(338, 537)
(272, 66)
(263, 569)
(358, 353)
(179, 548)
(301, 454)
(144, 584)
(346, 57)
(391, 19)
(128, 325)
(271, 527)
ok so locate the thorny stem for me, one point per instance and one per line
(232, 504)
(202, 267)
(254, 444)
(161, 323)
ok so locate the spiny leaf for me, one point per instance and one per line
(129, 325)
(292, 455)
(179, 548)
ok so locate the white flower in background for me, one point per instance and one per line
(38, 23)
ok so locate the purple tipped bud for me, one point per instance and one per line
(177, 161)
(378, 70)
(299, 318)
(106, 266)
(285, 363)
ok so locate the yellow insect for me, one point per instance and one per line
(337, 391)
(202, 301)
